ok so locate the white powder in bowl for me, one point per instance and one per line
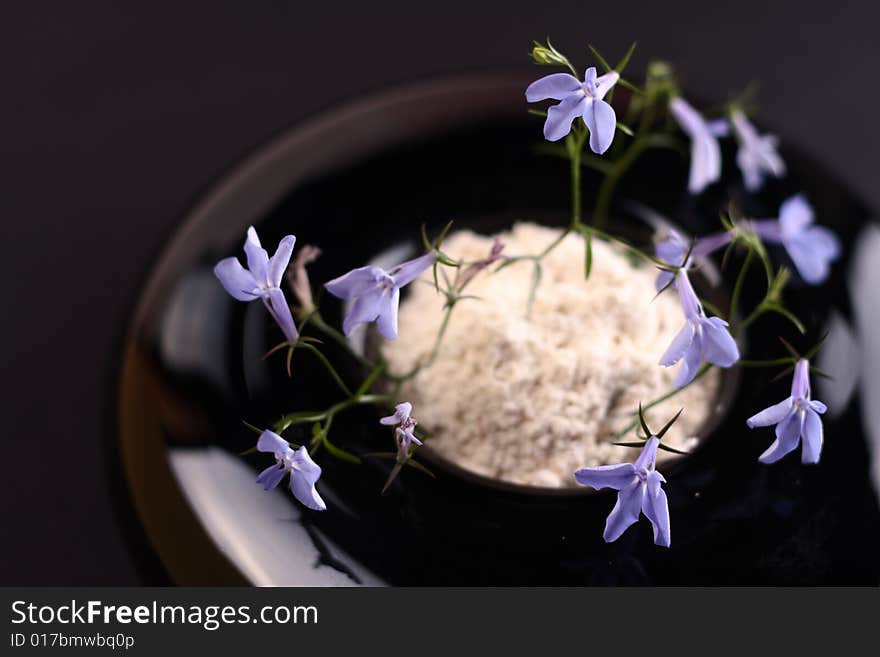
(530, 401)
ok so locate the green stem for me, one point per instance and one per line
(669, 395)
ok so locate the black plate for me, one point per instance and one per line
(361, 179)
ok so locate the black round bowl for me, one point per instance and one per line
(358, 180)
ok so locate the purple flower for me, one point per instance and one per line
(796, 419)
(577, 98)
(705, 151)
(757, 154)
(262, 279)
(701, 338)
(812, 248)
(639, 491)
(404, 432)
(377, 293)
(304, 472)
(674, 247)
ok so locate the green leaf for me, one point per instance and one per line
(785, 312)
(605, 65)
(339, 453)
(663, 431)
(625, 129)
(621, 65)
(250, 426)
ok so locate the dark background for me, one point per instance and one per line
(116, 116)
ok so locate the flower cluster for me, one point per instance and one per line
(582, 115)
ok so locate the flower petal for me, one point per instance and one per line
(656, 508)
(303, 478)
(812, 264)
(387, 320)
(278, 262)
(236, 280)
(408, 271)
(818, 406)
(354, 283)
(270, 441)
(690, 364)
(679, 345)
(800, 380)
(559, 117)
(719, 347)
(271, 476)
(625, 511)
(280, 310)
(705, 162)
(602, 122)
(604, 84)
(770, 415)
(812, 435)
(788, 434)
(607, 476)
(401, 414)
(366, 308)
(648, 455)
(257, 258)
(795, 214)
(557, 86)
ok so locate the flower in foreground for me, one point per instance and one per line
(584, 99)
(304, 472)
(377, 293)
(404, 431)
(701, 338)
(705, 151)
(757, 156)
(812, 248)
(639, 490)
(262, 279)
(796, 418)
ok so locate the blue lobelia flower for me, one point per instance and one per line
(796, 418)
(304, 472)
(812, 248)
(705, 151)
(673, 248)
(262, 279)
(701, 338)
(584, 99)
(377, 293)
(639, 491)
(757, 156)
(404, 431)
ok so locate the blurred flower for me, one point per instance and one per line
(701, 338)
(262, 279)
(757, 154)
(577, 98)
(705, 151)
(812, 248)
(304, 472)
(377, 293)
(299, 277)
(796, 418)
(639, 490)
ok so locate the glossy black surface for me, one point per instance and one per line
(734, 521)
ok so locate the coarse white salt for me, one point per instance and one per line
(531, 400)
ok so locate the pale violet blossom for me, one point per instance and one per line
(812, 248)
(705, 151)
(701, 338)
(262, 279)
(376, 293)
(796, 418)
(639, 490)
(404, 432)
(304, 472)
(757, 156)
(577, 99)
(673, 247)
